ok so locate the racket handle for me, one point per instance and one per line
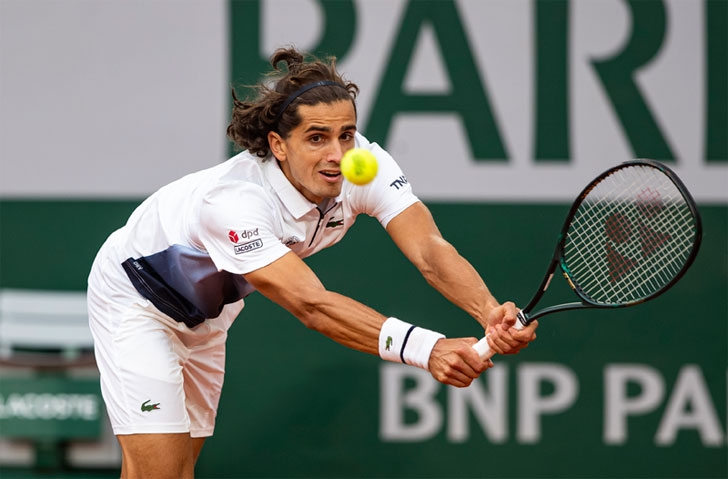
(482, 346)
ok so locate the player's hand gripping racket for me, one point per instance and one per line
(629, 236)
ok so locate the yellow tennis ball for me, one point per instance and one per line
(359, 166)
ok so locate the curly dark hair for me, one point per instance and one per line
(252, 120)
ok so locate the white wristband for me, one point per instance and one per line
(403, 342)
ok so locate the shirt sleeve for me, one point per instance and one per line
(238, 228)
(389, 193)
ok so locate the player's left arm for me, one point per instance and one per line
(417, 236)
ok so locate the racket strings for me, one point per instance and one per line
(666, 268)
(619, 264)
(629, 237)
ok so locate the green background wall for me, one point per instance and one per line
(296, 404)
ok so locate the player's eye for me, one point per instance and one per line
(347, 136)
(316, 138)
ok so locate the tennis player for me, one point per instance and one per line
(165, 288)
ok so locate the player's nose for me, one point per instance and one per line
(335, 153)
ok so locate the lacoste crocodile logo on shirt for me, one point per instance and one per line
(150, 407)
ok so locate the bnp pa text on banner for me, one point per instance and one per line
(544, 391)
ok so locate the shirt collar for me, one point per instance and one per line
(292, 199)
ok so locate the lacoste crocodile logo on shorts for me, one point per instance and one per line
(150, 407)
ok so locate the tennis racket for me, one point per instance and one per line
(630, 235)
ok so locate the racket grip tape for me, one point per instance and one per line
(482, 346)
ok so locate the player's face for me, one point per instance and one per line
(310, 156)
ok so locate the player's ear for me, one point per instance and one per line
(277, 145)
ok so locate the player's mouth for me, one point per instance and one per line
(331, 176)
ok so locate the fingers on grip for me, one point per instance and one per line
(483, 348)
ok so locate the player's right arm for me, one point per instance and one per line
(289, 282)
(246, 241)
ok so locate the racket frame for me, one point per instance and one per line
(558, 258)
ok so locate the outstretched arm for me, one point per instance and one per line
(415, 233)
(289, 282)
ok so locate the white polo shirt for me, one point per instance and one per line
(187, 246)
